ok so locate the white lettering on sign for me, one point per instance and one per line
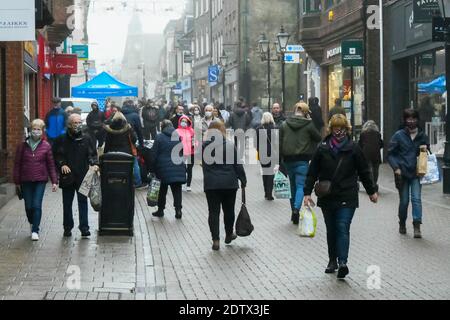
(63, 66)
(373, 20)
(333, 52)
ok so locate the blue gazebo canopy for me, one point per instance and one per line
(102, 86)
(435, 86)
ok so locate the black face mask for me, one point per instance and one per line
(411, 124)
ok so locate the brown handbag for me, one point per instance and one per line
(323, 188)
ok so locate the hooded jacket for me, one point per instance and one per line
(298, 139)
(134, 120)
(240, 119)
(55, 122)
(119, 135)
(257, 114)
(371, 143)
(165, 160)
(187, 136)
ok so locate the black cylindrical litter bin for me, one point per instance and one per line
(117, 212)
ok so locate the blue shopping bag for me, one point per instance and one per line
(433, 174)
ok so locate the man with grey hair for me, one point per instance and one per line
(55, 121)
(74, 154)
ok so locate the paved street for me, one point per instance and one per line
(169, 259)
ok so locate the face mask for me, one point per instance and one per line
(411, 124)
(36, 134)
(208, 114)
(184, 125)
(77, 129)
(196, 112)
(339, 135)
(180, 114)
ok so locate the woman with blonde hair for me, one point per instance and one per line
(264, 138)
(221, 181)
(33, 166)
(336, 165)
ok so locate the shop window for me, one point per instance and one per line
(311, 6)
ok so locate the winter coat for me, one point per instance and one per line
(298, 139)
(403, 152)
(257, 114)
(168, 170)
(316, 115)
(240, 119)
(134, 120)
(120, 140)
(175, 120)
(76, 153)
(187, 137)
(55, 123)
(150, 115)
(371, 143)
(344, 190)
(206, 123)
(279, 120)
(95, 120)
(265, 132)
(220, 175)
(34, 166)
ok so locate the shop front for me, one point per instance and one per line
(3, 122)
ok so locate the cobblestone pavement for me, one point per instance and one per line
(170, 259)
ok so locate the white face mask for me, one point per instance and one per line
(36, 134)
(208, 114)
(196, 112)
(184, 125)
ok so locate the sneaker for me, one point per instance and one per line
(67, 234)
(189, 189)
(34, 236)
(229, 239)
(342, 271)
(85, 234)
(184, 188)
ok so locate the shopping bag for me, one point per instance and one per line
(87, 183)
(153, 192)
(422, 161)
(244, 226)
(95, 194)
(308, 223)
(282, 186)
(433, 174)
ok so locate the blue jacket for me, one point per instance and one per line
(168, 170)
(135, 121)
(403, 152)
(55, 122)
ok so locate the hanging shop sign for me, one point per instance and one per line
(352, 53)
(65, 64)
(17, 20)
(425, 10)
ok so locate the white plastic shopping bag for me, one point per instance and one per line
(282, 186)
(433, 174)
(308, 223)
(86, 185)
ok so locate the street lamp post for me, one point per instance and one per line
(86, 66)
(283, 39)
(264, 50)
(444, 7)
(144, 83)
(223, 64)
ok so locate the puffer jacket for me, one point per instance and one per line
(55, 123)
(240, 119)
(168, 169)
(120, 140)
(298, 139)
(34, 166)
(187, 136)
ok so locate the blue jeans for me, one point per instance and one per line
(338, 223)
(297, 172)
(414, 188)
(68, 195)
(33, 194)
(137, 173)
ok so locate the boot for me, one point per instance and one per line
(178, 214)
(332, 266)
(159, 213)
(402, 228)
(216, 245)
(296, 216)
(417, 232)
(230, 238)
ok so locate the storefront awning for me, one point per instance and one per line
(435, 86)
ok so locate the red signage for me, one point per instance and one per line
(65, 64)
(44, 55)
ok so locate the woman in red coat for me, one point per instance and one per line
(33, 166)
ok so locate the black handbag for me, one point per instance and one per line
(323, 188)
(244, 226)
(66, 180)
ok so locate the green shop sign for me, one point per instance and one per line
(82, 51)
(352, 53)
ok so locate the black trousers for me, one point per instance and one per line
(375, 167)
(217, 199)
(176, 193)
(189, 168)
(268, 184)
(150, 133)
(98, 135)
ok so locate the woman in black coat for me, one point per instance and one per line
(371, 143)
(221, 181)
(167, 163)
(120, 136)
(340, 161)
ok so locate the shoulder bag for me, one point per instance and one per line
(323, 188)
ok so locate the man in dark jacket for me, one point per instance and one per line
(168, 166)
(95, 121)
(316, 113)
(298, 141)
(175, 119)
(150, 115)
(403, 151)
(55, 121)
(278, 116)
(74, 153)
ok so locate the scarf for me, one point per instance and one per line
(336, 146)
(33, 144)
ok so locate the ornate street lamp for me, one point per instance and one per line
(86, 66)
(283, 40)
(264, 50)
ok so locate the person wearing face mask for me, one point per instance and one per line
(208, 118)
(33, 166)
(74, 154)
(298, 141)
(186, 133)
(179, 112)
(196, 116)
(341, 161)
(403, 150)
(55, 121)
